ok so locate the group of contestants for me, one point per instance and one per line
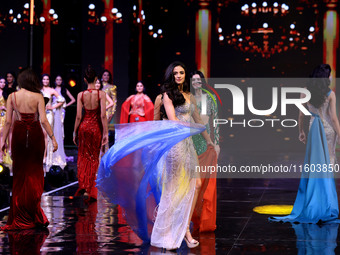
(150, 171)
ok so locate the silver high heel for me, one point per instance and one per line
(191, 244)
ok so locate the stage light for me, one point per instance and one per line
(274, 209)
(292, 26)
(221, 37)
(19, 16)
(264, 4)
(134, 7)
(114, 10)
(42, 19)
(160, 31)
(310, 37)
(51, 11)
(155, 35)
(265, 25)
(92, 6)
(143, 17)
(27, 6)
(55, 16)
(11, 12)
(72, 83)
(253, 5)
(240, 39)
(276, 5)
(238, 27)
(142, 12)
(103, 19)
(291, 39)
(15, 20)
(1, 168)
(150, 27)
(219, 30)
(119, 15)
(311, 29)
(138, 20)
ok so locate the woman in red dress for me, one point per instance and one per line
(137, 108)
(91, 132)
(27, 152)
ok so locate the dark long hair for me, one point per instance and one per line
(28, 79)
(110, 76)
(204, 82)
(318, 85)
(170, 87)
(14, 78)
(90, 74)
(42, 77)
(63, 87)
(7, 90)
(4, 91)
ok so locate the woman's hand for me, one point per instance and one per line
(3, 146)
(49, 107)
(105, 139)
(338, 139)
(55, 144)
(75, 139)
(302, 137)
(217, 149)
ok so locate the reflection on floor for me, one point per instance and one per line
(99, 228)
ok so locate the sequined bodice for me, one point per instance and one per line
(183, 112)
(331, 136)
(137, 105)
(322, 111)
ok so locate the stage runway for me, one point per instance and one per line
(99, 227)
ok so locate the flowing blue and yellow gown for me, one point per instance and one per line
(151, 170)
(317, 200)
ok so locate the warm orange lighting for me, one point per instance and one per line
(72, 83)
(178, 53)
(31, 12)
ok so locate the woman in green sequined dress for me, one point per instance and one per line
(204, 217)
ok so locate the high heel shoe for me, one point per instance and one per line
(191, 244)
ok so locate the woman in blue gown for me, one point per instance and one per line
(316, 200)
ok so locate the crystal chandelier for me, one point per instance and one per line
(265, 29)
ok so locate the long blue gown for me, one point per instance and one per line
(317, 199)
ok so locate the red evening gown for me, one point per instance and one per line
(136, 109)
(90, 134)
(28, 147)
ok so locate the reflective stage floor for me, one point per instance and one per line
(99, 228)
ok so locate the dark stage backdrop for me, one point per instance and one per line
(75, 43)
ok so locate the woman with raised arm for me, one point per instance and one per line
(28, 147)
(316, 200)
(90, 133)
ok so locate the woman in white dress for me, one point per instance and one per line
(59, 157)
(49, 93)
(181, 183)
